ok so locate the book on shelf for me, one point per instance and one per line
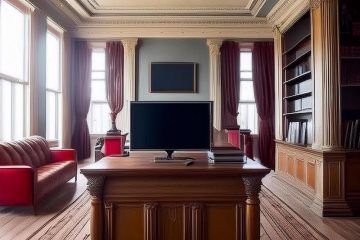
(347, 134)
(352, 134)
(355, 134)
(299, 132)
(309, 129)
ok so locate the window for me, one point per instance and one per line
(248, 117)
(14, 70)
(98, 117)
(53, 84)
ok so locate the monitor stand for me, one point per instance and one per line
(169, 158)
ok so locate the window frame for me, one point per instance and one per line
(97, 47)
(15, 81)
(254, 131)
(58, 33)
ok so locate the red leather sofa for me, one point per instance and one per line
(29, 170)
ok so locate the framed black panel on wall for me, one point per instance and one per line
(173, 77)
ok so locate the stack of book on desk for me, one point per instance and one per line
(226, 155)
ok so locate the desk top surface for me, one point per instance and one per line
(142, 163)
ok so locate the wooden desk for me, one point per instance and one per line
(135, 198)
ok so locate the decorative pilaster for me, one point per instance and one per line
(197, 210)
(95, 187)
(326, 69)
(150, 220)
(252, 188)
(278, 83)
(215, 79)
(129, 81)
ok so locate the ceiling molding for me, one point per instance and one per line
(286, 13)
(171, 32)
(173, 20)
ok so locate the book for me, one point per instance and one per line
(347, 134)
(351, 134)
(309, 132)
(214, 161)
(355, 134)
(230, 152)
(303, 133)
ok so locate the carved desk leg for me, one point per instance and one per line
(95, 187)
(252, 188)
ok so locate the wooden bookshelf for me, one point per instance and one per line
(349, 19)
(297, 83)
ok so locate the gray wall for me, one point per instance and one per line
(172, 50)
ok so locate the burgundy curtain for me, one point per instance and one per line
(82, 92)
(230, 67)
(264, 90)
(114, 71)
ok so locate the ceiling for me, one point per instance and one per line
(81, 14)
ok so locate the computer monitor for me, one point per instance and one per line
(170, 126)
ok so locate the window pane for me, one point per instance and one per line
(52, 61)
(19, 111)
(246, 75)
(246, 91)
(98, 75)
(100, 119)
(98, 60)
(248, 118)
(6, 110)
(98, 91)
(12, 41)
(50, 115)
(245, 61)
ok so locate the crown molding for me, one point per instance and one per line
(170, 31)
(286, 12)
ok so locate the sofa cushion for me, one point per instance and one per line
(33, 151)
(54, 174)
(9, 155)
(40, 149)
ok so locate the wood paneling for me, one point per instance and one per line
(220, 222)
(128, 222)
(291, 164)
(171, 222)
(334, 169)
(282, 161)
(300, 170)
(311, 175)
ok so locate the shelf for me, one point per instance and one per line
(297, 96)
(305, 111)
(350, 85)
(298, 59)
(299, 78)
(350, 57)
(296, 44)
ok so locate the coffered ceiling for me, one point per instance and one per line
(91, 16)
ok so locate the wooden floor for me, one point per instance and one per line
(66, 216)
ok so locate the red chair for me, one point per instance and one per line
(114, 145)
(110, 145)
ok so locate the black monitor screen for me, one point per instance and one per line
(170, 125)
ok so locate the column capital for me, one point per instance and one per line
(214, 45)
(276, 31)
(129, 44)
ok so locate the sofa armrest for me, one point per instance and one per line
(17, 185)
(58, 155)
